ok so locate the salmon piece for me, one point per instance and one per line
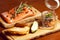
(6, 17)
(12, 11)
(10, 16)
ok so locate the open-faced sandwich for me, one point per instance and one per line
(22, 14)
(21, 20)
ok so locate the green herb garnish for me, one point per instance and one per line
(49, 15)
(21, 7)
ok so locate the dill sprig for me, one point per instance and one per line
(20, 8)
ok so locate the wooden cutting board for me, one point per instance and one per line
(38, 33)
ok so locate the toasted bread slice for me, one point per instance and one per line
(17, 30)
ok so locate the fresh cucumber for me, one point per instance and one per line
(34, 27)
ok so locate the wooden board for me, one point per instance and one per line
(38, 33)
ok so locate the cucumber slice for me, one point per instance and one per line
(34, 26)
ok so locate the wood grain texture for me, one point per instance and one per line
(6, 5)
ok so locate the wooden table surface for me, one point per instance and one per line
(6, 5)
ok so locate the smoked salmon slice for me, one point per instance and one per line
(17, 14)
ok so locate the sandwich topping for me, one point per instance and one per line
(16, 14)
(48, 19)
